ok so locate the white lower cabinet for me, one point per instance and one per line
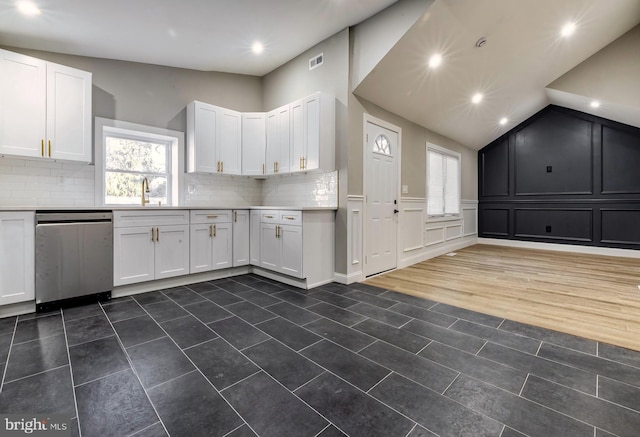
(17, 257)
(211, 240)
(149, 245)
(241, 243)
(254, 237)
(281, 242)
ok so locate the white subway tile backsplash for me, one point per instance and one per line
(49, 183)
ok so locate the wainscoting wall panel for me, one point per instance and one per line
(562, 176)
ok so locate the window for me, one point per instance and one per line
(443, 182)
(382, 145)
(129, 153)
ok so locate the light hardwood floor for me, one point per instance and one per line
(590, 296)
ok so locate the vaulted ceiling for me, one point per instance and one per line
(523, 53)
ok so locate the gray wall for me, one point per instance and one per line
(155, 95)
(293, 81)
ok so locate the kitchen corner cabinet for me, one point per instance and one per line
(253, 143)
(211, 244)
(46, 109)
(150, 245)
(241, 243)
(297, 244)
(278, 156)
(17, 257)
(313, 133)
(213, 139)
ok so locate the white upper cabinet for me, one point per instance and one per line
(253, 143)
(313, 133)
(296, 137)
(213, 139)
(279, 140)
(45, 109)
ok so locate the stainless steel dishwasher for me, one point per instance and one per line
(74, 257)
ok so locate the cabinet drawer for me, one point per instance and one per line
(211, 216)
(149, 217)
(270, 216)
(291, 217)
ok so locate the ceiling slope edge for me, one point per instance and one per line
(376, 36)
(609, 77)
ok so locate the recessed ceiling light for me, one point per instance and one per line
(568, 29)
(595, 104)
(477, 98)
(504, 120)
(257, 47)
(435, 60)
(27, 8)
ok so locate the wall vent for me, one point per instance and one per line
(316, 61)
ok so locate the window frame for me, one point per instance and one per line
(450, 153)
(105, 127)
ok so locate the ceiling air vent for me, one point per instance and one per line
(316, 61)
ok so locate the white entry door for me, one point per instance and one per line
(381, 199)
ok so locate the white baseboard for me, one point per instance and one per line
(295, 282)
(161, 284)
(16, 309)
(590, 250)
(437, 250)
(341, 278)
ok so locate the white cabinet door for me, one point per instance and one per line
(240, 237)
(22, 105)
(171, 251)
(254, 238)
(297, 136)
(278, 141)
(68, 113)
(229, 141)
(201, 254)
(291, 250)
(269, 247)
(133, 255)
(312, 132)
(253, 143)
(17, 255)
(222, 240)
(202, 126)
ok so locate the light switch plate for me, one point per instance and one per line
(405, 189)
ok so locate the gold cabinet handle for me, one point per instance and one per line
(304, 162)
(301, 164)
(212, 216)
(210, 231)
(157, 234)
(152, 235)
(222, 166)
(49, 148)
(274, 167)
(277, 167)
(268, 216)
(276, 231)
(214, 231)
(288, 217)
(262, 168)
(42, 147)
(235, 216)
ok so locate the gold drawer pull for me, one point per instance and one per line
(268, 216)
(42, 147)
(212, 216)
(288, 217)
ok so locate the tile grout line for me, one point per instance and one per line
(89, 341)
(234, 430)
(523, 384)
(144, 429)
(133, 370)
(312, 379)
(481, 347)
(242, 380)
(170, 380)
(102, 377)
(538, 351)
(411, 430)
(450, 384)
(73, 384)
(377, 383)
(425, 346)
(145, 342)
(323, 429)
(37, 373)
(194, 365)
(201, 343)
(6, 364)
(598, 386)
(503, 428)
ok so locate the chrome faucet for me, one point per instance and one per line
(145, 189)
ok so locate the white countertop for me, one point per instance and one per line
(152, 208)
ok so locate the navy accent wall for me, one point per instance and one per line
(562, 176)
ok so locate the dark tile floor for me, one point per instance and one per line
(248, 356)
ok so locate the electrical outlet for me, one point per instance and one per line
(405, 189)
